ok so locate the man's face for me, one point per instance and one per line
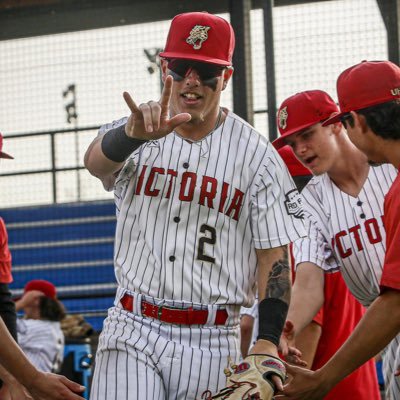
(197, 87)
(315, 147)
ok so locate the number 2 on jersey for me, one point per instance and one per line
(206, 239)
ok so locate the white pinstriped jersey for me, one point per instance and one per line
(190, 214)
(346, 232)
(42, 342)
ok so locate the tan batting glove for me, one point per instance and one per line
(251, 379)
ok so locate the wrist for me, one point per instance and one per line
(30, 376)
(117, 146)
(264, 347)
(325, 378)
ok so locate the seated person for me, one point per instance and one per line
(39, 332)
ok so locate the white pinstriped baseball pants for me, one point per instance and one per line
(142, 358)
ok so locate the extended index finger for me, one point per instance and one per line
(131, 104)
(166, 93)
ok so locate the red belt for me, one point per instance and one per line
(179, 316)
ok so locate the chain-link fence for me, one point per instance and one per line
(75, 81)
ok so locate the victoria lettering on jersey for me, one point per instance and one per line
(369, 230)
(206, 190)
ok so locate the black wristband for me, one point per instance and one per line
(272, 316)
(117, 147)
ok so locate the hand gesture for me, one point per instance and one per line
(151, 121)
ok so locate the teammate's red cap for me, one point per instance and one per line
(46, 287)
(301, 111)
(295, 167)
(366, 84)
(2, 154)
(200, 36)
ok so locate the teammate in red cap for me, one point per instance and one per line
(39, 332)
(15, 368)
(205, 208)
(368, 95)
(335, 320)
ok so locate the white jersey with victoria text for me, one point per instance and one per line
(347, 233)
(200, 209)
(189, 218)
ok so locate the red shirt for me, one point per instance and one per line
(391, 268)
(5, 255)
(338, 318)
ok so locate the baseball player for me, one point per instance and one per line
(203, 220)
(336, 319)
(345, 207)
(39, 332)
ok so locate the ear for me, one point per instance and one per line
(337, 127)
(227, 76)
(359, 122)
(164, 69)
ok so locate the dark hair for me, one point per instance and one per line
(51, 309)
(383, 119)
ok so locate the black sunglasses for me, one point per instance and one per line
(181, 68)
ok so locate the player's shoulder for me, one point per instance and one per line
(111, 125)
(385, 170)
(317, 186)
(244, 132)
(240, 126)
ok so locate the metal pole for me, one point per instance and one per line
(270, 67)
(242, 78)
(390, 10)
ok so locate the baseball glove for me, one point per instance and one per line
(251, 380)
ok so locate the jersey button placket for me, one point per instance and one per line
(359, 204)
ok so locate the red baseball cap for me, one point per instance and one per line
(46, 287)
(2, 154)
(366, 84)
(295, 167)
(301, 111)
(200, 36)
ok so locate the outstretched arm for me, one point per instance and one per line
(307, 298)
(274, 288)
(374, 331)
(307, 295)
(42, 386)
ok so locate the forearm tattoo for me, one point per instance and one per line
(279, 283)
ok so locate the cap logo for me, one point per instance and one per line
(395, 91)
(197, 36)
(282, 117)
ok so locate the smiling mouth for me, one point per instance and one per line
(191, 96)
